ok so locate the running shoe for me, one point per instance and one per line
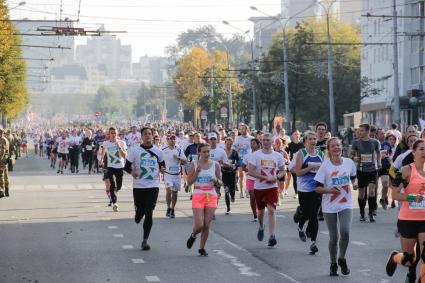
(302, 235)
(391, 265)
(168, 212)
(6, 192)
(115, 207)
(260, 234)
(343, 264)
(371, 218)
(383, 204)
(374, 212)
(190, 241)
(232, 199)
(172, 215)
(313, 249)
(241, 195)
(246, 194)
(320, 217)
(228, 211)
(272, 241)
(295, 196)
(1, 194)
(392, 204)
(59, 171)
(202, 252)
(145, 246)
(362, 218)
(333, 269)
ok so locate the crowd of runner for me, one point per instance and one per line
(323, 170)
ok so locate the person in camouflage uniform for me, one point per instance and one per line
(4, 156)
(12, 150)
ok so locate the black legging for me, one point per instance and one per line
(144, 203)
(74, 154)
(229, 181)
(89, 158)
(310, 203)
(116, 183)
(294, 182)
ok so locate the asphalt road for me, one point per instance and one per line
(58, 228)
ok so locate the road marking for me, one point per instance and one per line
(127, 247)
(118, 236)
(112, 227)
(84, 186)
(18, 188)
(152, 278)
(358, 243)
(243, 269)
(281, 216)
(106, 218)
(288, 277)
(324, 232)
(67, 186)
(99, 186)
(51, 187)
(33, 187)
(138, 260)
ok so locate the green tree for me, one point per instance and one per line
(13, 92)
(107, 101)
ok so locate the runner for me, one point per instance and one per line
(228, 171)
(243, 146)
(263, 165)
(411, 219)
(250, 180)
(383, 173)
(62, 147)
(144, 163)
(293, 147)
(89, 145)
(74, 142)
(173, 158)
(115, 151)
(334, 182)
(133, 138)
(308, 162)
(366, 152)
(205, 174)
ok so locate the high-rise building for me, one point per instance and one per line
(151, 69)
(108, 53)
(377, 62)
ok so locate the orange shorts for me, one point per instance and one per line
(204, 200)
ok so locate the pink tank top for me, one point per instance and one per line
(414, 210)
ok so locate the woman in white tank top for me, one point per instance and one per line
(205, 174)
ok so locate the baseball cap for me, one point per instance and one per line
(212, 136)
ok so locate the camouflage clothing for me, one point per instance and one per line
(4, 174)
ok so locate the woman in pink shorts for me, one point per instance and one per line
(255, 145)
(205, 174)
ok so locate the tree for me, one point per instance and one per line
(107, 101)
(13, 92)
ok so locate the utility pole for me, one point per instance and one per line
(330, 76)
(421, 44)
(230, 94)
(396, 113)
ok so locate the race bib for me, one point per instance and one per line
(194, 157)
(417, 205)
(174, 169)
(89, 147)
(366, 158)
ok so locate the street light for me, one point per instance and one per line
(330, 68)
(254, 97)
(19, 5)
(285, 58)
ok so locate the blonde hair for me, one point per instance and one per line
(328, 144)
(309, 133)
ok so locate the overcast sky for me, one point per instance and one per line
(150, 24)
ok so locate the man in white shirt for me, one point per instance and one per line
(74, 142)
(264, 165)
(243, 146)
(133, 138)
(115, 151)
(63, 151)
(174, 158)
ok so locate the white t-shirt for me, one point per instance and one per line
(115, 160)
(74, 140)
(266, 165)
(133, 139)
(330, 176)
(218, 154)
(245, 143)
(172, 165)
(248, 157)
(398, 163)
(185, 143)
(63, 146)
(146, 166)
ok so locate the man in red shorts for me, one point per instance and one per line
(268, 167)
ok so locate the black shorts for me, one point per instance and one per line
(62, 156)
(410, 228)
(366, 178)
(383, 172)
(145, 199)
(229, 180)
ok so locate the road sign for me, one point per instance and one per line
(223, 112)
(204, 115)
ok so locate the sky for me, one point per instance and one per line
(150, 25)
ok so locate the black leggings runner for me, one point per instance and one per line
(310, 203)
(116, 183)
(229, 181)
(144, 203)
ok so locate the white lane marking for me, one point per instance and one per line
(288, 277)
(33, 187)
(127, 247)
(236, 246)
(324, 232)
(105, 218)
(118, 235)
(67, 186)
(112, 227)
(99, 186)
(358, 243)
(97, 206)
(243, 269)
(152, 278)
(84, 186)
(51, 187)
(18, 188)
(137, 260)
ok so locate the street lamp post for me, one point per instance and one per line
(330, 68)
(254, 96)
(19, 5)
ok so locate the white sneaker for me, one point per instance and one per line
(286, 193)
(247, 193)
(242, 195)
(115, 207)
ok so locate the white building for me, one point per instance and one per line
(377, 61)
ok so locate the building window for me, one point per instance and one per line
(414, 75)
